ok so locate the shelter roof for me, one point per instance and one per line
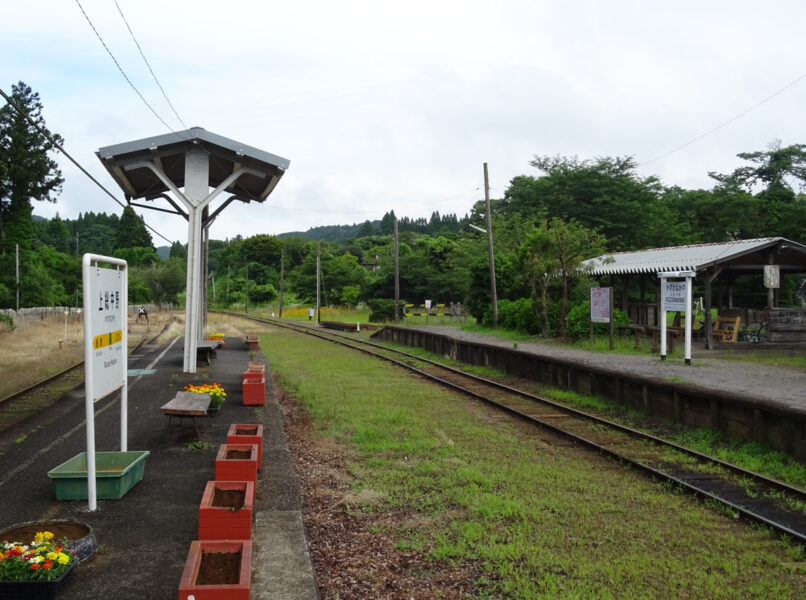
(740, 255)
(168, 151)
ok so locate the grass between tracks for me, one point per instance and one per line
(539, 521)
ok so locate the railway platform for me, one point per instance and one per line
(144, 538)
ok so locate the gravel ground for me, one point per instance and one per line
(784, 387)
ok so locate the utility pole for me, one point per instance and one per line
(77, 255)
(318, 274)
(282, 278)
(493, 293)
(397, 274)
(246, 291)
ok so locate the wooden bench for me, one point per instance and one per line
(206, 349)
(186, 405)
(726, 329)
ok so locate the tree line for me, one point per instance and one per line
(548, 221)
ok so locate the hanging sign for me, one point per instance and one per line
(600, 305)
(772, 276)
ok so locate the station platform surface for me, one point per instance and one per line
(144, 537)
(775, 385)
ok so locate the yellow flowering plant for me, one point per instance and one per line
(217, 393)
(42, 559)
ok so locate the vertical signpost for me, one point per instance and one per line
(106, 293)
(676, 297)
(602, 310)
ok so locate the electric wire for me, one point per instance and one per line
(61, 149)
(728, 122)
(122, 72)
(136, 43)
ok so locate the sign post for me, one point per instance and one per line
(106, 292)
(602, 310)
(676, 297)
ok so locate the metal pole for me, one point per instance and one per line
(663, 318)
(493, 293)
(89, 405)
(318, 267)
(397, 273)
(282, 278)
(124, 391)
(18, 277)
(687, 354)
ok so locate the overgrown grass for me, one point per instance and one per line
(795, 360)
(538, 521)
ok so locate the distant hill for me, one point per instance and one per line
(164, 252)
(333, 233)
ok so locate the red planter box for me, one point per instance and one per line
(236, 469)
(247, 433)
(254, 389)
(231, 591)
(221, 522)
(257, 367)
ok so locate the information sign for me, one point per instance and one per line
(674, 296)
(106, 309)
(600, 305)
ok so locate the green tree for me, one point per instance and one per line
(131, 231)
(27, 172)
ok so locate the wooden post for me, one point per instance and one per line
(397, 272)
(282, 278)
(493, 292)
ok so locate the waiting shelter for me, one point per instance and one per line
(716, 263)
(155, 168)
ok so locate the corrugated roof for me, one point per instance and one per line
(694, 257)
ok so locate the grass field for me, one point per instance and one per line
(537, 520)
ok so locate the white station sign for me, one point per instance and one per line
(105, 307)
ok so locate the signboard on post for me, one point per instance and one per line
(106, 292)
(600, 305)
(674, 296)
(772, 276)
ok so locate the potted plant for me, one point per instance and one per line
(217, 394)
(36, 569)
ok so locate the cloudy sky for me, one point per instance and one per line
(396, 105)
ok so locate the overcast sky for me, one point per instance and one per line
(396, 105)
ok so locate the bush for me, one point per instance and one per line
(579, 319)
(8, 320)
(383, 309)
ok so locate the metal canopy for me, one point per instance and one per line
(194, 160)
(739, 255)
(124, 163)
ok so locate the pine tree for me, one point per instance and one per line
(131, 231)
(26, 171)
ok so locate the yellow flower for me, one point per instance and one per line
(52, 555)
(47, 535)
(62, 558)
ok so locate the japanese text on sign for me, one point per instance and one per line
(674, 296)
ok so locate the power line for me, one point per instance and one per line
(728, 122)
(61, 149)
(122, 72)
(149, 66)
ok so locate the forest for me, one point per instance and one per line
(564, 211)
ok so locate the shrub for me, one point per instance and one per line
(579, 318)
(383, 309)
(518, 315)
(8, 320)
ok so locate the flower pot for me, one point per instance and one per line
(245, 433)
(80, 537)
(201, 580)
(115, 474)
(222, 519)
(34, 590)
(254, 389)
(230, 466)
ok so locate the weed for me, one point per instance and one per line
(198, 445)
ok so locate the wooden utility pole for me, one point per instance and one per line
(246, 291)
(493, 293)
(397, 274)
(282, 278)
(18, 276)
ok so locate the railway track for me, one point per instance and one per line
(42, 394)
(744, 493)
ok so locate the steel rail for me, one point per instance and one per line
(636, 434)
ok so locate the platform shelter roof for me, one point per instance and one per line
(738, 255)
(125, 163)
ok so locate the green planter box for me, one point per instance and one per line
(115, 474)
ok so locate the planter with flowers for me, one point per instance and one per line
(34, 570)
(217, 395)
(217, 337)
